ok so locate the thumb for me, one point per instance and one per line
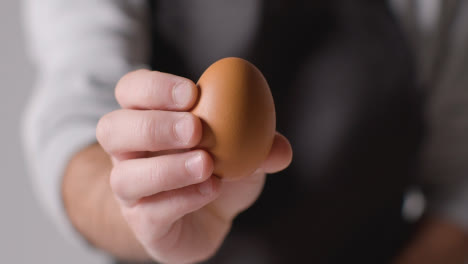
(280, 155)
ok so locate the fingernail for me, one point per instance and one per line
(194, 166)
(184, 129)
(182, 94)
(259, 170)
(205, 188)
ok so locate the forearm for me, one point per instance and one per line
(91, 206)
(437, 242)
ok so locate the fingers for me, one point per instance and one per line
(154, 216)
(144, 89)
(125, 131)
(280, 155)
(236, 196)
(132, 180)
(239, 195)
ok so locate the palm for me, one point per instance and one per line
(199, 234)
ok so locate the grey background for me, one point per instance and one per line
(26, 234)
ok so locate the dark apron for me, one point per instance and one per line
(344, 87)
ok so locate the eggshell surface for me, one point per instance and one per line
(237, 111)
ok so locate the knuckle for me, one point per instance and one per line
(148, 128)
(127, 83)
(103, 130)
(152, 83)
(116, 182)
(123, 84)
(156, 177)
(149, 91)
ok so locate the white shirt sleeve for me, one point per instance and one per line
(80, 48)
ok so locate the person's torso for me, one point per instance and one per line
(345, 93)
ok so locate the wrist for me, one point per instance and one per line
(92, 209)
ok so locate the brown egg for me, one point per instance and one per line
(238, 116)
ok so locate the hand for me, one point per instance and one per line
(177, 209)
